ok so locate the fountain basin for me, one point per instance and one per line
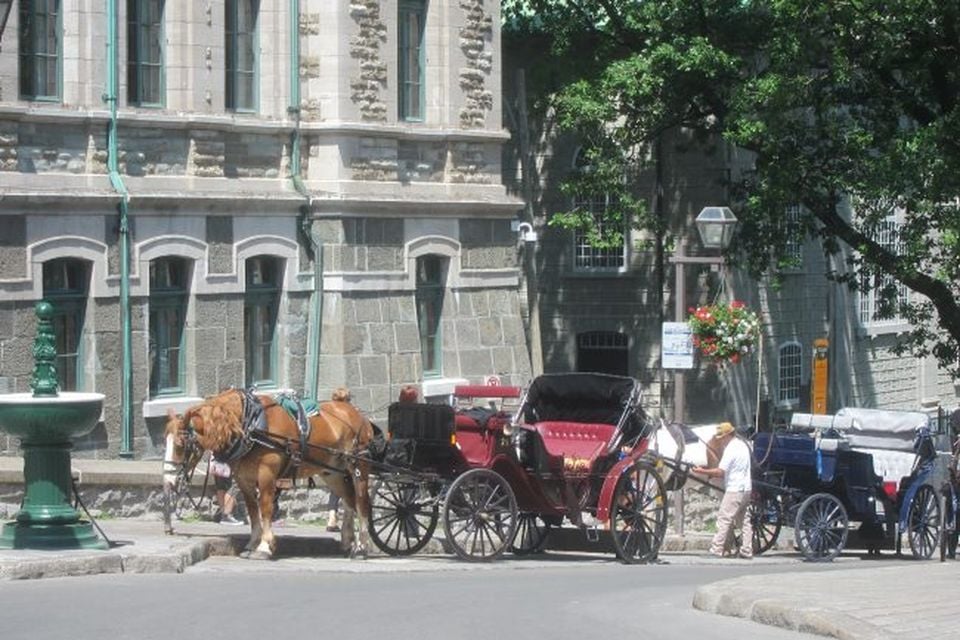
(49, 419)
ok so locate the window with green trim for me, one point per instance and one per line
(145, 83)
(412, 16)
(261, 304)
(65, 284)
(431, 282)
(40, 49)
(169, 295)
(241, 54)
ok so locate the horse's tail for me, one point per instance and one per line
(376, 448)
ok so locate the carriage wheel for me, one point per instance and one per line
(766, 516)
(821, 527)
(532, 531)
(923, 522)
(638, 514)
(403, 517)
(179, 502)
(480, 515)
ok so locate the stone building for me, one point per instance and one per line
(296, 194)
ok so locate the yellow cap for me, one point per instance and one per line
(724, 428)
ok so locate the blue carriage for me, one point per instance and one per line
(886, 471)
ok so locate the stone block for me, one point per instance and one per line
(374, 369)
(230, 374)
(382, 338)
(404, 366)
(354, 339)
(491, 333)
(466, 334)
(503, 360)
(480, 302)
(368, 310)
(476, 233)
(384, 259)
(209, 343)
(407, 337)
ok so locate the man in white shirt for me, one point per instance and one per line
(734, 471)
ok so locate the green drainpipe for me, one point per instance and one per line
(116, 180)
(315, 333)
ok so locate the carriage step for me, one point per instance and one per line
(593, 533)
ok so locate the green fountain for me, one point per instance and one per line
(46, 421)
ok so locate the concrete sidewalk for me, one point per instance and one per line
(910, 601)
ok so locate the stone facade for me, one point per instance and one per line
(214, 188)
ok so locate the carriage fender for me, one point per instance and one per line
(610, 482)
(921, 480)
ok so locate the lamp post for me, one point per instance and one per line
(716, 226)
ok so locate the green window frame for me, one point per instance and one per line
(65, 285)
(260, 309)
(412, 17)
(242, 55)
(145, 54)
(431, 283)
(40, 50)
(169, 295)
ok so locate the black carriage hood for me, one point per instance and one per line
(578, 397)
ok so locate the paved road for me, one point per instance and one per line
(564, 598)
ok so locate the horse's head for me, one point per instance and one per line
(183, 449)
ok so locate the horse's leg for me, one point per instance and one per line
(340, 484)
(267, 485)
(361, 489)
(248, 489)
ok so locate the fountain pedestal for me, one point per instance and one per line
(46, 422)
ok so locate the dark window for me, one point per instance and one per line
(241, 54)
(431, 281)
(65, 284)
(603, 352)
(412, 17)
(145, 52)
(40, 49)
(262, 301)
(168, 318)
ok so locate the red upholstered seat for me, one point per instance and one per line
(574, 439)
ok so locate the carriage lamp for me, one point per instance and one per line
(716, 226)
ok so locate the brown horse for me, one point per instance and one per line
(337, 432)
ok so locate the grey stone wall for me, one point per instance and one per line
(370, 78)
(220, 244)
(475, 42)
(13, 249)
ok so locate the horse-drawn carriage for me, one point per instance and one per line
(573, 448)
(887, 470)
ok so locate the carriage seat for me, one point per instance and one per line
(574, 441)
(891, 465)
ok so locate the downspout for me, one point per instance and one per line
(315, 327)
(116, 181)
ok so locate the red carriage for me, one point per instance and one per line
(574, 448)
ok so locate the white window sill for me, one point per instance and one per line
(441, 387)
(879, 329)
(157, 407)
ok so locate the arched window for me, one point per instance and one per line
(603, 352)
(169, 289)
(261, 304)
(790, 370)
(65, 284)
(587, 257)
(431, 282)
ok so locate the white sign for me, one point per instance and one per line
(492, 381)
(677, 345)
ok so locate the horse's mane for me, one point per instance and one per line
(218, 420)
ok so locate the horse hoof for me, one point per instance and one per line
(259, 555)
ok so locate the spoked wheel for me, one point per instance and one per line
(532, 531)
(179, 501)
(821, 527)
(403, 516)
(766, 516)
(638, 514)
(923, 523)
(480, 515)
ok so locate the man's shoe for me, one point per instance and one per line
(228, 519)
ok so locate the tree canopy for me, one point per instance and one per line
(849, 107)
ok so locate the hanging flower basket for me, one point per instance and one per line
(724, 332)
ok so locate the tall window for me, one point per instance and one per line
(587, 257)
(603, 352)
(241, 54)
(65, 284)
(168, 318)
(790, 368)
(145, 52)
(412, 17)
(794, 247)
(873, 287)
(431, 281)
(40, 49)
(262, 301)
